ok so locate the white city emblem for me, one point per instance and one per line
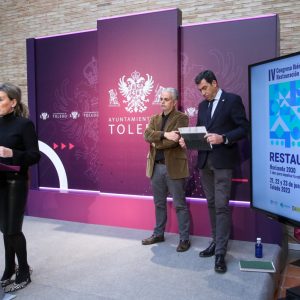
(44, 116)
(135, 90)
(113, 98)
(74, 115)
(158, 91)
(191, 111)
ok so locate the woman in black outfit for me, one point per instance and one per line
(19, 147)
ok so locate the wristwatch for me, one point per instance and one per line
(225, 140)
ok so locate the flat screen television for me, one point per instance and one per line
(274, 95)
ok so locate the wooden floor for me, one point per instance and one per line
(290, 277)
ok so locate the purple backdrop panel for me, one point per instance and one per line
(227, 48)
(137, 56)
(67, 110)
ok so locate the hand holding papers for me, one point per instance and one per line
(194, 137)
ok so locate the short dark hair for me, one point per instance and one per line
(208, 75)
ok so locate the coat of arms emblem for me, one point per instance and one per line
(136, 89)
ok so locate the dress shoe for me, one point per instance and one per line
(17, 286)
(21, 281)
(209, 251)
(7, 277)
(7, 281)
(220, 265)
(153, 239)
(183, 245)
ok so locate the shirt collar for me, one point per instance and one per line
(218, 95)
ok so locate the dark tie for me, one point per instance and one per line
(209, 110)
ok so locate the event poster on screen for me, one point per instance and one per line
(275, 111)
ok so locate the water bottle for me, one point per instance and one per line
(258, 248)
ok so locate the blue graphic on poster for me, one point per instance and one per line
(285, 114)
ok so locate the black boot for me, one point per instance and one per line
(10, 266)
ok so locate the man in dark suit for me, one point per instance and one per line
(223, 115)
(167, 167)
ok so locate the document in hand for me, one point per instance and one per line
(257, 266)
(194, 137)
(4, 167)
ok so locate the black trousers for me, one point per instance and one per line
(13, 198)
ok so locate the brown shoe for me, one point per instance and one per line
(183, 245)
(153, 239)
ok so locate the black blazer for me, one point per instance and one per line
(230, 119)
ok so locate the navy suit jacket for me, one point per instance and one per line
(229, 118)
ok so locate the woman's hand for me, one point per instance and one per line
(5, 152)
